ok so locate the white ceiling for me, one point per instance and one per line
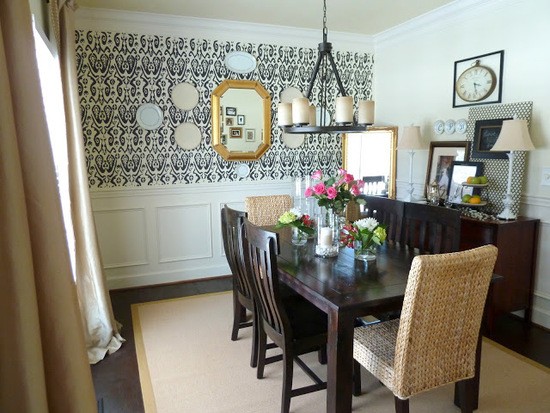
(368, 17)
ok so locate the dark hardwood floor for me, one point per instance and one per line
(116, 378)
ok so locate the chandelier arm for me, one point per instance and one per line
(314, 75)
(336, 74)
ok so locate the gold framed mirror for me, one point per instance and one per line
(372, 154)
(241, 120)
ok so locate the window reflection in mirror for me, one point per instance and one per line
(241, 120)
(372, 156)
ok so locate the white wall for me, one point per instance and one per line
(414, 67)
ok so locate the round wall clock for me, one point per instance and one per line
(475, 83)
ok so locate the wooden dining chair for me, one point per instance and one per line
(293, 323)
(435, 341)
(232, 233)
(266, 209)
(431, 229)
(387, 211)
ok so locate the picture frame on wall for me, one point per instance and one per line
(240, 119)
(230, 111)
(250, 135)
(485, 135)
(440, 158)
(228, 121)
(478, 80)
(236, 132)
(460, 171)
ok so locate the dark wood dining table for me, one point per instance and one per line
(345, 289)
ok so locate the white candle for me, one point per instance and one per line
(365, 113)
(325, 237)
(300, 111)
(284, 114)
(344, 109)
(312, 115)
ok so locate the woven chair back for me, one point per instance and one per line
(266, 210)
(232, 233)
(431, 229)
(441, 319)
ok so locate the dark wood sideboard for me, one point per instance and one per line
(517, 243)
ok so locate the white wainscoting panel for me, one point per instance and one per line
(179, 239)
(159, 235)
(122, 237)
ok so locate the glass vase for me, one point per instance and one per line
(299, 237)
(364, 253)
(328, 233)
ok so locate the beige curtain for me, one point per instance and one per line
(43, 363)
(101, 329)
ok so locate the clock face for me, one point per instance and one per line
(475, 83)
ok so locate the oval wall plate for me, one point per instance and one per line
(149, 116)
(188, 136)
(293, 140)
(240, 62)
(185, 96)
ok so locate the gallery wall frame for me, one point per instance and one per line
(440, 157)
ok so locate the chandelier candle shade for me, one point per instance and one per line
(513, 137)
(301, 123)
(411, 141)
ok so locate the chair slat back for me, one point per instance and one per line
(441, 319)
(266, 209)
(232, 234)
(387, 211)
(263, 248)
(431, 229)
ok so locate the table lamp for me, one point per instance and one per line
(410, 141)
(513, 137)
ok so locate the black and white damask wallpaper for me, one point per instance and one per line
(118, 72)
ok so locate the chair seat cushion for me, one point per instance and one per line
(305, 319)
(374, 349)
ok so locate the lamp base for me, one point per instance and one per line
(507, 213)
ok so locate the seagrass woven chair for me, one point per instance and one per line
(294, 324)
(431, 229)
(232, 233)
(434, 342)
(266, 209)
(387, 211)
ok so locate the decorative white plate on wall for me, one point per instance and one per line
(149, 116)
(439, 127)
(327, 116)
(461, 126)
(290, 93)
(185, 96)
(293, 140)
(188, 136)
(243, 170)
(240, 62)
(450, 126)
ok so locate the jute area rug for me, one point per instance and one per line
(188, 364)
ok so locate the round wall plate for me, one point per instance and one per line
(290, 93)
(450, 126)
(292, 140)
(461, 126)
(243, 170)
(149, 116)
(185, 96)
(327, 115)
(188, 136)
(240, 62)
(439, 127)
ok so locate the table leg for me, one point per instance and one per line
(339, 362)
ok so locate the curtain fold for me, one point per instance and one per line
(43, 363)
(101, 328)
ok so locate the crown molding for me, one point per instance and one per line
(438, 19)
(212, 29)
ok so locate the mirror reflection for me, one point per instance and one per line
(371, 156)
(241, 120)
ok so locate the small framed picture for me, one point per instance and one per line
(441, 156)
(250, 135)
(460, 171)
(230, 111)
(224, 139)
(228, 121)
(236, 132)
(240, 119)
(485, 135)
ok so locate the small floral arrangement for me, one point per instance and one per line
(335, 192)
(367, 230)
(295, 218)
